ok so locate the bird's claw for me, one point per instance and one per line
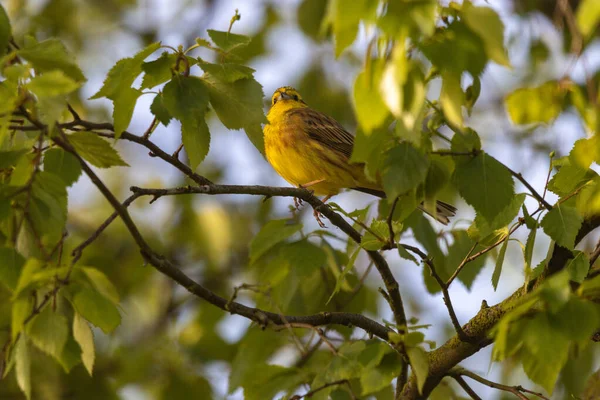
(318, 218)
(297, 203)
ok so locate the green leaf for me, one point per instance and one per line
(122, 75)
(420, 364)
(488, 233)
(123, 108)
(562, 224)
(49, 331)
(466, 142)
(102, 284)
(487, 24)
(158, 109)
(95, 150)
(417, 16)
(578, 266)
(402, 252)
(309, 16)
(52, 83)
(239, 105)
(5, 29)
(452, 98)
(163, 69)
(528, 251)
(379, 377)
(584, 152)
(32, 266)
(48, 206)
(404, 169)
(11, 264)
(20, 310)
(499, 262)
(85, 338)
(227, 41)
(547, 351)
(371, 242)
(568, 178)
(51, 55)
(341, 278)
(456, 49)
(254, 349)
(428, 237)
(97, 309)
(485, 184)
(23, 366)
(270, 380)
(10, 158)
(369, 106)
(274, 232)
(62, 164)
(227, 72)
(541, 104)
(588, 17)
(186, 98)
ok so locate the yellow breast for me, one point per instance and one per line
(301, 160)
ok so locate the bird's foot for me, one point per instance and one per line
(318, 216)
(297, 203)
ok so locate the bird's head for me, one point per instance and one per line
(285, 94)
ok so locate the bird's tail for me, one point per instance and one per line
(442, 213)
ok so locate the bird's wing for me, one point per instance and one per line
(325, 130)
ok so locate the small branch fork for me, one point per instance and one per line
(457, 373)
(445, 293)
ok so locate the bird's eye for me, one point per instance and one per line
(296, 97)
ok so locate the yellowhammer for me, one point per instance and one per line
(312, 150)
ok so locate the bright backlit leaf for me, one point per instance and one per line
(588, 17)
(369, 106)
(487, 24)
(23, 366)
(85, 338)
(540, 104)
(419, 363)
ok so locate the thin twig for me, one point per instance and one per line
(535, 194)
(516, 390)
(390, 221)
(325, 386)
(459, 379)
(76, 253)
(461, 265)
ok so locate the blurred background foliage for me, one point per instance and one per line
(169, 343)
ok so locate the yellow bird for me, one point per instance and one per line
(312, 150)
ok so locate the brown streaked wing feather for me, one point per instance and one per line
(325, 130)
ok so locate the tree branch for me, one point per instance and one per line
(155, 151)
(261, 317)
(447, 356)
(307, 196)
